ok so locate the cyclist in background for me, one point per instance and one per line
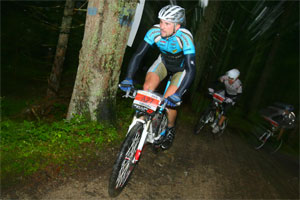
(233, 90)
(281, 115)
(177, 58)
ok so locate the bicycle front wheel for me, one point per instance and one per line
(125, 162)
(206, 117)
(273, 144)
(261, 135)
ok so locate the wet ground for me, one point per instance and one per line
(196, 167)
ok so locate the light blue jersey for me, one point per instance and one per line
(172, 48)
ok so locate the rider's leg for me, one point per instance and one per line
(280, 134)
(151, 82)
(175, 83)
(222, 119)
(226, 107)
(172, 113)
(156, 73)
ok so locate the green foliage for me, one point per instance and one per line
(27, 147)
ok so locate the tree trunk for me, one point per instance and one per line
(106, 32)
(55, 76)
(203, 39)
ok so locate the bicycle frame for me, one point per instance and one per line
(147, 134)
(149, 121)
(268, 134)
(213, 113)
(218, 108)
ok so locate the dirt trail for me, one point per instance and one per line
(196, 167)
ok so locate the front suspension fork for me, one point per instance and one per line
(142, 141)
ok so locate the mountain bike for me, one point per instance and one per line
(269, 134)
(212, 114)
(149, 124)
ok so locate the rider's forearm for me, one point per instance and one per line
(136, 59)
(190, 73)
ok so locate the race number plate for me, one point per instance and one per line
(145, 101)
(218, 97)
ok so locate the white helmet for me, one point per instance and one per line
(172, 13)
(233, 73)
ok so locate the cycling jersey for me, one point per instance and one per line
(172, 48)
(232, 89)
(177, 52)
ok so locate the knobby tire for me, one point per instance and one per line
(260, 134)
(123, 166)
(271, 144)
(201, 122)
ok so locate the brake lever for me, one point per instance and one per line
(128, 93)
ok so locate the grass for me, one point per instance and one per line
(28, 147)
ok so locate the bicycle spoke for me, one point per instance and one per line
(128, 160)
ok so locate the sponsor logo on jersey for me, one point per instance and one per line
(174, 51)
(163, 41)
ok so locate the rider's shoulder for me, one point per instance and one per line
(154, 31)
(185, 32)
(186, 38)
(238, 81)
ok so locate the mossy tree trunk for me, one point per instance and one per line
(62, 44)
(106, 32)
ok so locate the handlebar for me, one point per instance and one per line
(131, 93)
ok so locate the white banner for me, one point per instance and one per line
(136, 22)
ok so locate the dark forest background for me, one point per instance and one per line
(264, 48)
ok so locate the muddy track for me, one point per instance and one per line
(196, 167)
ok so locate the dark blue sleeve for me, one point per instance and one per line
(190, 74)
(136, 59)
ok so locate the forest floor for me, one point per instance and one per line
(195, 167)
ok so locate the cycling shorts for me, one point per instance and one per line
(160, 69)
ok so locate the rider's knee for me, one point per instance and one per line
(147, 86)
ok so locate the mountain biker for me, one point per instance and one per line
(280, 114)
(177, 58)
(233, 90)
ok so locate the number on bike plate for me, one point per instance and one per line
(218, 97)
(146, 101)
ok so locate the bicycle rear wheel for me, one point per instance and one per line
(125, 164)
(207, 116)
